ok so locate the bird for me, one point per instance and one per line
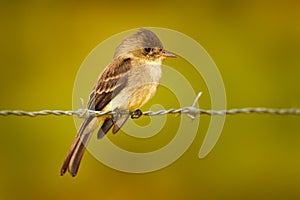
(126, 84)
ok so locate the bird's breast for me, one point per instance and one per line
(145, 83)
(153, 71)
(146, 72)
(141, 86)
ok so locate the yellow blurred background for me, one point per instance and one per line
(256, 46)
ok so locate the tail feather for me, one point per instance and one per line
(72, 161)
(77, 154)
(106, 126)
(65, 165)
(119, 123)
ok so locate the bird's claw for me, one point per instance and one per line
(136, 114)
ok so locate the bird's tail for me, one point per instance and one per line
(72, 161)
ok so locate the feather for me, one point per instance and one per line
(107, 124)
(119, 123)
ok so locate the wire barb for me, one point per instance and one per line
(192, 112)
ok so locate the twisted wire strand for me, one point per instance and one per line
(192, 111)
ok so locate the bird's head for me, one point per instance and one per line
(144, 45)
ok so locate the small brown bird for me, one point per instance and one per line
(127, 83)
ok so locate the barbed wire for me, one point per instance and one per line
(191, 111)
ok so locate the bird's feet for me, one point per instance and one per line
(136, 114)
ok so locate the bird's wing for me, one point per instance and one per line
(111, 82)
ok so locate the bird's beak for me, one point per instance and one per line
(166, 54)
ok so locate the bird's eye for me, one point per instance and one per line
(147, 49)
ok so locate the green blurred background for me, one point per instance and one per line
(255, 44)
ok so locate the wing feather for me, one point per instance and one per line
(111, 82)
